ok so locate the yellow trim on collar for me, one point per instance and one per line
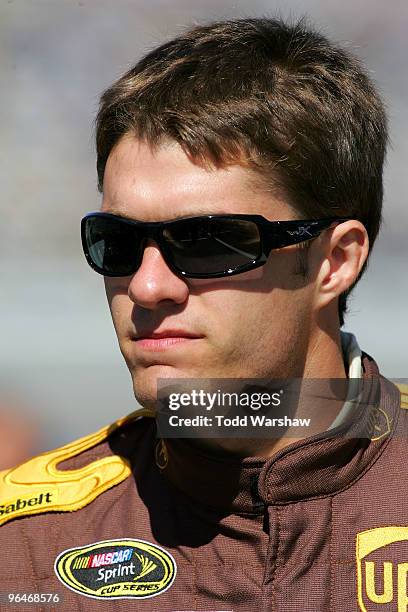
(404, 395)
(37, 486)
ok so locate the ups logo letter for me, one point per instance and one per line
(382, 568)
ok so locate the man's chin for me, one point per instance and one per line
(146, 396)
(146, 383)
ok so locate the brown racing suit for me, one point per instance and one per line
(133, 525)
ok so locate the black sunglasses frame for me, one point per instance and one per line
(273, 235)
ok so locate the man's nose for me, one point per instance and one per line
(154, 282)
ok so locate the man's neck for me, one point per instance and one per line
(324, 361)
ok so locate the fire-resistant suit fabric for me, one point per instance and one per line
(128, 522)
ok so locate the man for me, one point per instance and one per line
(241, 172)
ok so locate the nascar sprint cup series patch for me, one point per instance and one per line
(117, 569)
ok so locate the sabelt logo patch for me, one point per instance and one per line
(117, 569)
(20, 504)
(382, 568)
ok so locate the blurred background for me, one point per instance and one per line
(61, 372)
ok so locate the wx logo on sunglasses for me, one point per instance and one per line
(302, 231)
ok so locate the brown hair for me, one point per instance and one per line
(297, 108)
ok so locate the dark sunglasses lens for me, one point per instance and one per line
(211, 246)
(112, 245)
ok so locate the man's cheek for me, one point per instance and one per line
(121, 309)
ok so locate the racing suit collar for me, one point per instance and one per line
(317, 466)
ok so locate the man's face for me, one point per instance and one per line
(253, 325)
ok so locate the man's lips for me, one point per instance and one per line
(164, 339)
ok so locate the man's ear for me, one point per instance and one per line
(344, 250)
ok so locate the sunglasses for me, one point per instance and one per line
(210, 246)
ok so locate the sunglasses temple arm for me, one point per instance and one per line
(290, 234)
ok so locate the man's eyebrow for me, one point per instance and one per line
(116, 211)
(198, 212)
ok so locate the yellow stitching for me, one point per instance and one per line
(37, 485)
